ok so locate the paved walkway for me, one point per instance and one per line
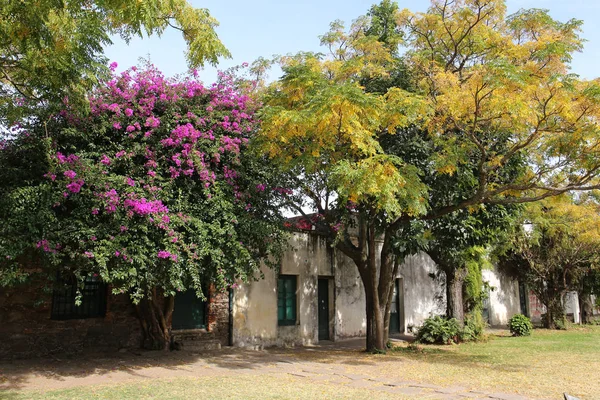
(337, 363)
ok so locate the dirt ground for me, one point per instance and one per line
(341, 363)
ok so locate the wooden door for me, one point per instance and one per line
(323, 304)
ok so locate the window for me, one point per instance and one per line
(286, 300)
(190, 311)
(93, 298)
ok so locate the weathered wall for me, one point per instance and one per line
(309, 257)
(595, 310)
(255, 304)
(536, 309)
(571, 304)
(350, 315)
(423, 295)
(255, 311)
(218, 316)
(504, 298)
(27, 330)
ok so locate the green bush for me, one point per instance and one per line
(520, 325)
(439, 330)
(474, 328)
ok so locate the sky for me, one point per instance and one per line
(251, 29)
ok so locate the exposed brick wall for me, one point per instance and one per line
(218, 316)
(536, 308)
(27, 330)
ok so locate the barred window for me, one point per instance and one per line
(93, 298)
(190, 311)
(286, 300)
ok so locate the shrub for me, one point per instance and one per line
(474, 328)
(439, 330)
(520, 325)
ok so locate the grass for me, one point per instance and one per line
(542, 366)
(545, 364)
(233, 387)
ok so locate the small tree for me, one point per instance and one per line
(156, 191)
(557, 253)
(588, 285)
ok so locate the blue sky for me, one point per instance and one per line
(250, 29)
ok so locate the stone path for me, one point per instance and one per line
(337, 375)
(330, 364)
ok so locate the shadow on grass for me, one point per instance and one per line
(456, 356)
(17, 374)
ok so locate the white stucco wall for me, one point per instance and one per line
(423, 295)
(310, 258)
(255, 303)
(571, 304)
(350, 315)
(504, 297)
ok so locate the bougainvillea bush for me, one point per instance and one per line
(156, 190)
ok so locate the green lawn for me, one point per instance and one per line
(541, 366)
(544, 365)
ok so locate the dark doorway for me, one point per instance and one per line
(395, 309)
(523, 298)
(189, 311)
(323, 304)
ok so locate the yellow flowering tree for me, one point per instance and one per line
(557, 252)
(503, 118)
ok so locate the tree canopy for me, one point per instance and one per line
(507, 122)
(499, 90)
(50, 49)
(156, 191)
(556, 251)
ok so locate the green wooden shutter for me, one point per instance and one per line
(286, 300)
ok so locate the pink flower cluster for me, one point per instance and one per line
(70, 159)
(112, 199)
(158, 129)
(145, 207)
(45, 245)
(167, 255)
(75, 186)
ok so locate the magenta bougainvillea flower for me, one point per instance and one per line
(158, 186)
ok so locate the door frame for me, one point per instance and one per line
(330, 306)
(399, 287)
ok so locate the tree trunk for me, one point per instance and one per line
(377, 273)
(455, 279)
(375, 325)
(555, 312)
(155, 318)
(586, 308)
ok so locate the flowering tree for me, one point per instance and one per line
(155, 191)
(556, 253)
(492, 92)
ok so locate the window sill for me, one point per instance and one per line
(288, 324)
(195, 330)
